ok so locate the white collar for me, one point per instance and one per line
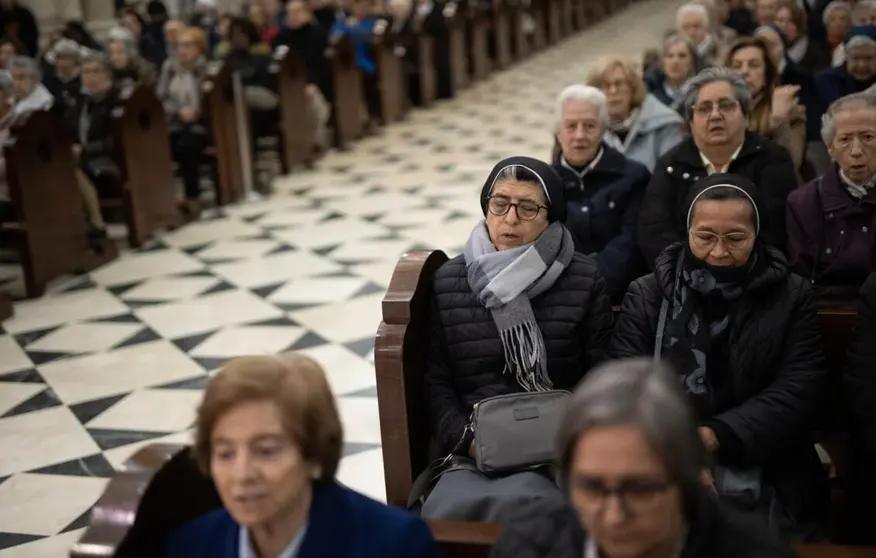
(590, 166)
(712, 169)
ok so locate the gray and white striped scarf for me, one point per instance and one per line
(505, 281)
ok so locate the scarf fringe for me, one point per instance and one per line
(525, 356)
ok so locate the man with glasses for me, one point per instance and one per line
(716, 109)
(603, 188)
(831, 220)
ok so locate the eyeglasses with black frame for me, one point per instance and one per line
(707, 240)
(526, 209)
(636, 496)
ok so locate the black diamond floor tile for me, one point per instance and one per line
(362, 347)
(45, 399)
(145, 335)
(8, 540)
(188, 344)
(107, 439)
(89, 410)
(197, 383)
(307, 341)
(92, 466)
(30, 376)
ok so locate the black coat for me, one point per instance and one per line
(771, 378)
(465, 359)
(603, 215)
(859, 378)
(310, 42)
(796, 74)
(664, 211)
(544, 529)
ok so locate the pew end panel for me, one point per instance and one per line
(146, 165)
(50, 231)
(454, 18)
(349, 98)
(158, 488)
(399, 360)
(478, 30)
(426, 66)
(390, 74)
(219, 108)
(297, 131)
(502, 21)
(6, 309)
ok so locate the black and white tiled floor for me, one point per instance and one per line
(116, 359)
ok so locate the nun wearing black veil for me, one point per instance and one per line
(518, 312)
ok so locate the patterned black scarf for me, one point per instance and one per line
(699, 315)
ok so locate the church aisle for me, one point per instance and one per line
(108, 362)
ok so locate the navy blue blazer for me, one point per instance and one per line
(342, 524)
(603, 215)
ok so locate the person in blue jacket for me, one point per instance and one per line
(269, 435)
(603, 188)
(360, 28)
(856, 74)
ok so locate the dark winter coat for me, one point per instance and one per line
(310, 42)
(544, 529)
(831, 235)
(466, 358)
(796, 74)
(603, 215)
(833, 83)
(771, 376)
(664, 210)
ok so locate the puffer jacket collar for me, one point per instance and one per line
(774, 271)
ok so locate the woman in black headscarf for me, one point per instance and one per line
(518, 311)
(742, 332)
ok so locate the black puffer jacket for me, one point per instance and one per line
(664, 209)
(776, 377)
(466, 359)
(546, 530)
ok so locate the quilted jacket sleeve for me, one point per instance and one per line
(779, 178)
(446, 415)
(859, 376)
(634, 333)
(783, 411)
(595, 330)
(657, 220)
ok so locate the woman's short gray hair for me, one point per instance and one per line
(863, 99)
(692, 9)
(5, 82)
(130, 47)
(836, 5)
(584, 93)
(741, 92)
(95, 57)
(860, 13)
(25, 63)
(646, 395)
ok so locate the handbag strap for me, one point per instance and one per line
(661, 327)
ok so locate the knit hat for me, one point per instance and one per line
(741, 184)
(527, 169)
(861, 35)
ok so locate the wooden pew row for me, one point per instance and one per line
(49, 231)
(6, 310)
(160, 488)
(146, 188)
(399, 356)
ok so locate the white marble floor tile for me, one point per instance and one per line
(169, 288)
(14, 393)
(248, 340)
(121, 371)
(51, 547)
(13, 357)
(208, 313)
(343, 321)
(85, 337)
(347, 372)
(329, 233)
(63, 308)
(45, 504)
(137, 411)
(41, 438)
(364, 472)
(278, 268)
(200, 232)
(322, 290)
(137, 266)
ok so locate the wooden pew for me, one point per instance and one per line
(160, 488)
(539, 17)
(426, 64)
(502, 35)
(143, 153)
(296, 133)
(230, 141)
(390, 74)
(348, 102)
(521, 47)
(478, 23)
(565, 7)
(50, 230)
(455, 18)
(6, 310)
(554, 25)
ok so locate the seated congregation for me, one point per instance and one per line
(722, 407)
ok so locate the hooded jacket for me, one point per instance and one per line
(656, 130)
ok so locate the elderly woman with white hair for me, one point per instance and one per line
(639, 126)
(679, 62)
(692, 21)
(837, 19)
(631, 463)
(603, 188)
(129, 68)
(30, 95)
(65, 83)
